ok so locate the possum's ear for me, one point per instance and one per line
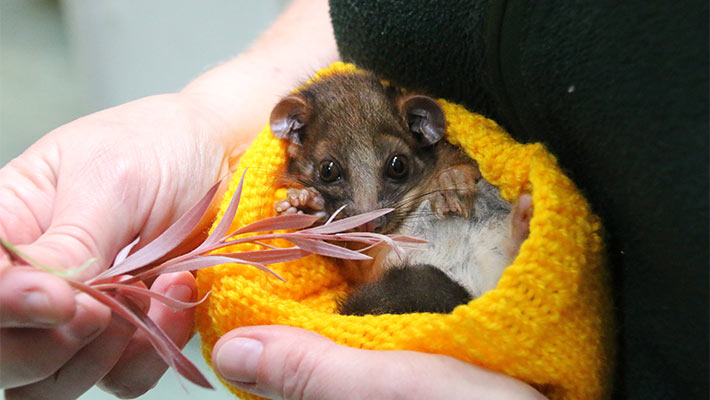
(424, 117)
(289, 117)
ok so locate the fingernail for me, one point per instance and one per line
(37, 305)
(179, 292)
(238, 360)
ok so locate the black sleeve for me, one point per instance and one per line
(618, 91)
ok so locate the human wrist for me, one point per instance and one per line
(240, 93)
(233, 102)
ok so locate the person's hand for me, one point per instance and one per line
(89, 188)
(86, 190)
(290, 363)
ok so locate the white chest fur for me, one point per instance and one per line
(471, 251)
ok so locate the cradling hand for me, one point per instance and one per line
(290, 363)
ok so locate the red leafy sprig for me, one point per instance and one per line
(139, 266)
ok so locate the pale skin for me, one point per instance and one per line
(90, 187)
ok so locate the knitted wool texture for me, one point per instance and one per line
(546, 323)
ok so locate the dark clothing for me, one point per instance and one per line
(618, 91)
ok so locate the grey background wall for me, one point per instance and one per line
(60, 60)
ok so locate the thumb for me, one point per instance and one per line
(291, 363)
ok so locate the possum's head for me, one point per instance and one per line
(361, 144)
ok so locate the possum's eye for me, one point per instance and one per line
(329, 171)
(397, 166)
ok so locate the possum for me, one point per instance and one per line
(355, 141)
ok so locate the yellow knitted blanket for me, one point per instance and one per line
(547, 322)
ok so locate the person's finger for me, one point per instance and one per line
(32, 354)
(88, 365)
(140, 367)
(32, 298)
(290, 363)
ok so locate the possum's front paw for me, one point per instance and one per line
(301, 201)
(454, 190)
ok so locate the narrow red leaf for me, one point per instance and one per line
(271, 256)
(223, 226)
(196, 263)
(391, 240)
(407, 239)
(164, 243)
(346, 224)
(360, 237)
(312, 236)
(371, 245)
(268, 246)
(396, 242)
(124, 252)
(167, 350)
(281, 222)
(326, 249)
(335, 214)
(363, 237)
(168, 301)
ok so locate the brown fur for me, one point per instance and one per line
(355, 121)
